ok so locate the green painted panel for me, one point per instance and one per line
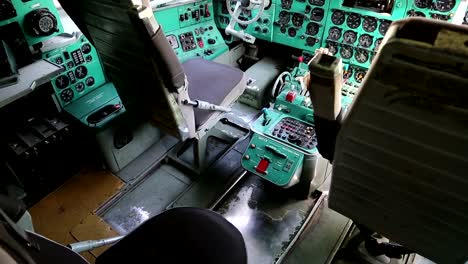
(83, 74)
(283, 161)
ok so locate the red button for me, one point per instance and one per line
(263, 166)
(290, 97)
(300, 59)
(201, 44)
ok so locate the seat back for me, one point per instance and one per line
(138, 60)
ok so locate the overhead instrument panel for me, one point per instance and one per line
(435, 9)
(300, 23)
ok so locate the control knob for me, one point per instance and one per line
(41, 22)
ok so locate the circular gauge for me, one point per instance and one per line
(334, 33)
(444, 5)
(90, 81)
(353, 20)
(86, 48)
(361, 56)
(59, 60)
(310, 41)
(369, 24)
(283, 30)
(377, 44)
(298, 19)
(62, 81)
(70, 64)
(422, 3)
(365, 40)
(81, 72)
(384, 25)
(89, 58)
(348, 73)
(292, 32)
(359, 76)
(312, 29)
(284, 17)
(286, 4)
(41, 22)
(80, 87)
(332, 47)
(338, 17)
(317, 14)
(346, 52)
(349, 37)
(317, 2)
(414, 13)
(66, 95)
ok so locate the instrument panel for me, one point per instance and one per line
(195, 34)
(83, 73)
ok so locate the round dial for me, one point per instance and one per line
(317, 2)
(365, 40)
(80, 87)
(317, 14)
(346, 52)
(66, 95)
(349, 37)
(292, 32)
(361, 56)
(283, 30)
(369, 24)
(62, 81)
(312, 29)
(348, 73)
(90, 81)
(338, 17)
(59, 60)
(286, 4)
(86, 48)
(444, 5)
(359, 76)
(81, 72)
(334, 33)
(89, 58)
(422, 3)
(353, 20)
(70, 64)
(298, 19)
(332, 47)
(414, 13)
(384, 25)
(377, 44)
(284, 17)
(41, 22)
(310, 41)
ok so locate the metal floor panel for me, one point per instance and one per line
(149, 198)
(269, 219)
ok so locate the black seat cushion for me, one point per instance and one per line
(180, 235)
(211, 82)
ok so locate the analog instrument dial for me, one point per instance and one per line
(312, 29)
(338, 17)
(346, 52)
(361, 56)
(353, 20)
(298, 19)
(349, 37)
(292, 32)
(384, 25)
(317, 2)
(62, 81)
(359, 76)
(369, 24)
(444, 5)
(284, 17)
(365, 40)
(66, 95)
(414, 13)
(422, 3)
(86, 48)
(80, 87)
(332, 47)
(377, 44)
(317, 14)
(81, 72)
(310, 41)
(348, 73)
(334, 33)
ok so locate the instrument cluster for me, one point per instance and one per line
(83, 70)
(300, 23)
(435, 9)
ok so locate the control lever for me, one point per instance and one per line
(206, 106)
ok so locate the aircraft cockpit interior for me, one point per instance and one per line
(234, 131)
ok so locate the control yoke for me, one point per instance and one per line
(239, 8)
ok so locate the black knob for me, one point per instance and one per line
(41, 22)
(211, 41)
(257, 28)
